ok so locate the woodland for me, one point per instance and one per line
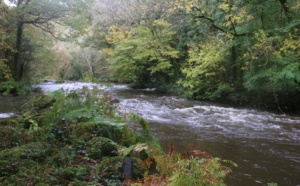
(244, 52)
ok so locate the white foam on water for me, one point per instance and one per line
(6, 115)
(211, 119)
(50, 87)
(204, 118)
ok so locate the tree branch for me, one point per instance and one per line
(48, 31)
(212, 21)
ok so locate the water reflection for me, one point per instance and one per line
(10, 104)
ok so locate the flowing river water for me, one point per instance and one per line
(265, 145)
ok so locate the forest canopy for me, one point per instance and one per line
(238, 51)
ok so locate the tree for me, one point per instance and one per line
(40, 14)
(44, 15)
(5, 42)
(261, 57)
(145, 55)
(218, 26)
(205, 70)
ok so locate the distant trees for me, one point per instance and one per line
(232, 50)
(30, 23)
(140, 40)
(216, 50)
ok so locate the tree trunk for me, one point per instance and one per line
(286, 10)
(17, 68)
(16, 71)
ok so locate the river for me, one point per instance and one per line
(265, 145)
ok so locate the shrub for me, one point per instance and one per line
(12, 88)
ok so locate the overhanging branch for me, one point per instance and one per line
(212, 21)
(48, 31)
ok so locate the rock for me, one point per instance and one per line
(101, 146)
(38, 102)
(113, 168)
(128, 168)
(35, 151)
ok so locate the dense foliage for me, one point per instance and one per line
(81, 138)
(239, 51)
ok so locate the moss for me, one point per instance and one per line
(61, 157)
(111, 168)
(60, 81)
(101, 146)
(9, 137)
(128, 137)
(35, 151)
(29, 171)
(38, 102)
(103, 127)
(80, 173)
(7, 168)
(13, 121)
(42, 184)
(81, 144)
(74, 142)
(139, 168)
(118, 132)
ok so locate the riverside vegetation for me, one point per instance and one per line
(243, 52)
(81, 138)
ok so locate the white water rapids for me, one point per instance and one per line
(210, 120)
(265, 145)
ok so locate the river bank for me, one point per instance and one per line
(80, 138)
(264, 144)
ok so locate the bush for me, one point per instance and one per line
(13, 88)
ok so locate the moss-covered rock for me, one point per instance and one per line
(61, 157)
(80, 173)
(101, 146)
(36, 151)
(111, 168)
(115, 130)
(102, 127)
(38, 102)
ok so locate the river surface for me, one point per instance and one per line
(265, 145)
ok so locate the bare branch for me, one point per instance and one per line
(48, 31)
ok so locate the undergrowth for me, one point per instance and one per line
(12, 87)
(81, 138)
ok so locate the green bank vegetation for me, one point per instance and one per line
(245, 52)
(81, 138)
